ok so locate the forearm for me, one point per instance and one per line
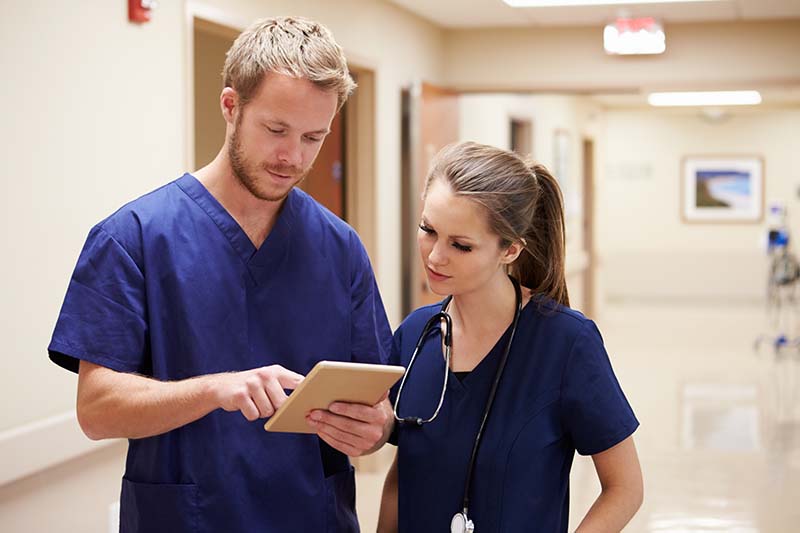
(113, 404)
(612, 510)
(387, 519)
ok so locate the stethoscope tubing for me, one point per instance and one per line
(417, 421)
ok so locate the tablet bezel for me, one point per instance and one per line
(328, 382)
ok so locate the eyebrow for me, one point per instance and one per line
(283, 124)
(459, 237)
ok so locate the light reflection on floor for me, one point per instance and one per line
(720, 435)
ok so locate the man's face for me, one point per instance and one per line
(278, 134)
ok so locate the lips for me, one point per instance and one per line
(435, 276)
(280, 176)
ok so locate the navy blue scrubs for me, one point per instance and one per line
(558, 394)
(171, 287)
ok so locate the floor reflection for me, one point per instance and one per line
(720, 435)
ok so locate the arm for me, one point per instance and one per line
(115, 404)
(387, 519)
(354, 429)
(621, 489)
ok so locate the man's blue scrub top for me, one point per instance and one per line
(558, 393)
(171, 287)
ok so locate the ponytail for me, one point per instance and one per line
(541, 266)
(523, 203)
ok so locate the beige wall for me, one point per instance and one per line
(93, 116)
(715, 54)
(647, 250)
(73, 497)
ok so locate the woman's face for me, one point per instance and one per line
(459, 252)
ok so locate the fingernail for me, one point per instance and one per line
(315, 416)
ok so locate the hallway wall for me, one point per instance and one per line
(647, 251)
(564, 59)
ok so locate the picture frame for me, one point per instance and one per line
(724, 188)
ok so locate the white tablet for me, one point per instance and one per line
(333, 381)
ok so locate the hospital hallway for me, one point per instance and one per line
(672, 129)
(719, 440)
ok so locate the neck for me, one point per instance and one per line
(485, 310)
(255, 216)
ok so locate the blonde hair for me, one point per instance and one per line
(523, 203)
(292, 46)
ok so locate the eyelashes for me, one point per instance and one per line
(458, 246)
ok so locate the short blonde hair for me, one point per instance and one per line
(292, 46)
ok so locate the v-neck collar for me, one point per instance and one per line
(259, 261)
(488, 361)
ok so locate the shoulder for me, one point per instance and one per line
(126, 228)
(415, 321)
(328, 234)
(555, 315)
(154, 207)
(317, 216)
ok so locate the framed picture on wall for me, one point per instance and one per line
(722, 189)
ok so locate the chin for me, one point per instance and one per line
(438, 287)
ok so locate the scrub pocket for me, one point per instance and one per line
(156, 508)
(340, 496)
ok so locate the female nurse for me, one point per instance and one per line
(507, 382)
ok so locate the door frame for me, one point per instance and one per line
(360, 135)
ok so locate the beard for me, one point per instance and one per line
(245, 171)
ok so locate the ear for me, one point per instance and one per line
(511, 253)
(229, 104)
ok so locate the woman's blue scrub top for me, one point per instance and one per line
(171, 287)
(558, 394)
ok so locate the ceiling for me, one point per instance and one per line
(495, 13)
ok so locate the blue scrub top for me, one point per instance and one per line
(171, 287)
(558, 394)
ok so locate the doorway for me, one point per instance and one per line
(430, 122)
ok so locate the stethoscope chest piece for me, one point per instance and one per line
(461, 524)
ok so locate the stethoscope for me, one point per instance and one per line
(460, 522)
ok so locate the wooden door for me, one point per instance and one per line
(326, 181)
(431, 121)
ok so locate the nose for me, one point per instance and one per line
(290, 153)
(438, 254)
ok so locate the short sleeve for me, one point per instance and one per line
(371, 335)
(103, 318)
(595, 412)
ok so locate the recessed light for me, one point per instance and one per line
(704, 98)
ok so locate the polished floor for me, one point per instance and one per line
(719, 439)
